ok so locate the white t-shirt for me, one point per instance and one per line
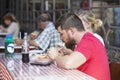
(99, 37)
(13, 29)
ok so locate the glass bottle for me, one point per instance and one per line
(25, 49)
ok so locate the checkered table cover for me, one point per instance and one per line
(22, 71)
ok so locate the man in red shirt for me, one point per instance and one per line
(89, 55)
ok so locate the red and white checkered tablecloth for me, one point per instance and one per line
(4, 73)
(20, 71)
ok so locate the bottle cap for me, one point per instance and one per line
(25, 33)
(9, 36)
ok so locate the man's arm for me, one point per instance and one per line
(64, 51)
(72, 61)
(18, 41)
(33, 43)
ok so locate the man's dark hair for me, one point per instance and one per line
(69, 20)
(60, 19)
(72, 20)
(58, 22)
(45, 16)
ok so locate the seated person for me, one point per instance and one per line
(57, 26)
(91, 23)
(89, 54)
(49, 37)
(12, 23)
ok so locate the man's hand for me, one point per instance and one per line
(18, 41)
(33, 43)
(53, 53)
(1, 26)
(64, 51)
(34, 35)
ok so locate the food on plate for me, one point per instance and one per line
(38, 57)
(33, 55)
(41, 57)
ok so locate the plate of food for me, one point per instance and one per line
(39, 59)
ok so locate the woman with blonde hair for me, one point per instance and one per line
(90, 22)
(12, 23)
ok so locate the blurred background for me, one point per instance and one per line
(27, 11)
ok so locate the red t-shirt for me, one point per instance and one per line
(96, 56)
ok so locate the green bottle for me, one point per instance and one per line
(9, 45)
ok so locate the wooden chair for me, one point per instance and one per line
(115, 70)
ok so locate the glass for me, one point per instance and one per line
(25, 57)
(10, 64)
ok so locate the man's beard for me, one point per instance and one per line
(71, 43)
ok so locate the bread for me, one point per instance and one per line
(41, 57)
(33, 55)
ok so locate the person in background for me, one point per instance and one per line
(89, 55)
(86, 4)
(49, 37)
(12, 23)
(91, 23)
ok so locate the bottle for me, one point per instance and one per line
(9, 45)
(25, 49)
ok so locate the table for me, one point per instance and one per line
(3, 34)
(22, 71)
(17, 48)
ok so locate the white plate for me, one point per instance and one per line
(44, 61)
(35, 51)
(33, 54)
(34, 58)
